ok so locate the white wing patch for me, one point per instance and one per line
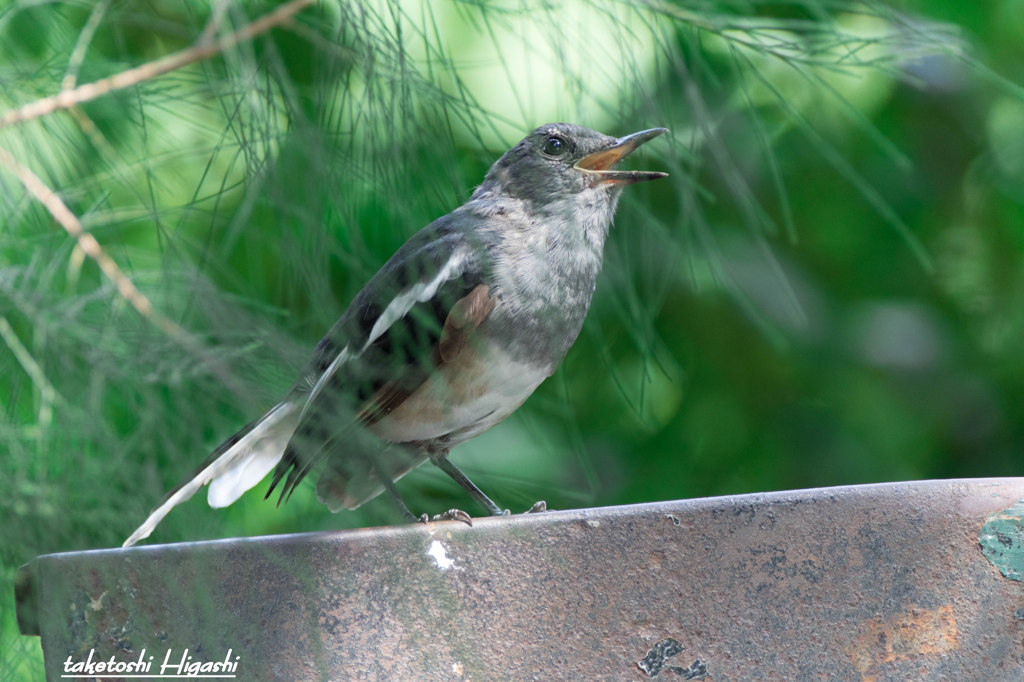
(338, 361)
(418, 293)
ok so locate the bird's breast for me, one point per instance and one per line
(545, 292)
(463, 398)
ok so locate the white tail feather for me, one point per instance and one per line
(258, 453)
(240, 468)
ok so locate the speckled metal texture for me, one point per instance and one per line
(878, 582)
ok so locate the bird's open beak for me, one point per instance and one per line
(599, 165)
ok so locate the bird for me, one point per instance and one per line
(452, 334)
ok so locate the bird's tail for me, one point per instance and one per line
(237, 465)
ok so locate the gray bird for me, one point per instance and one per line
(451, 336)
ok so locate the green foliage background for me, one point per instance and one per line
(828, 290)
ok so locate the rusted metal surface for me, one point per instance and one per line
(881, 582)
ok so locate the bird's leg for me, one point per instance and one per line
(538, 507)
(440, 460)
(450, 515)
(389, 485)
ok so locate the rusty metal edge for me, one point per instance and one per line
(27, 581)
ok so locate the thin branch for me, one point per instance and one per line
(73, 226)
(47, 393)
(216, 19)
(82, 45)
(126, 79)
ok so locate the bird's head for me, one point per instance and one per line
(560, 161)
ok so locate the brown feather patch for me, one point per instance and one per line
(465, 316)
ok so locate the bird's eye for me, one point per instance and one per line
(555, 146)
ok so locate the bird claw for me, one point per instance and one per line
(459, 515)
(450, 515)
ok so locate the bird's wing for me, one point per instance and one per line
(412, 316)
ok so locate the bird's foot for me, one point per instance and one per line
(538, 507)
(450, 515)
